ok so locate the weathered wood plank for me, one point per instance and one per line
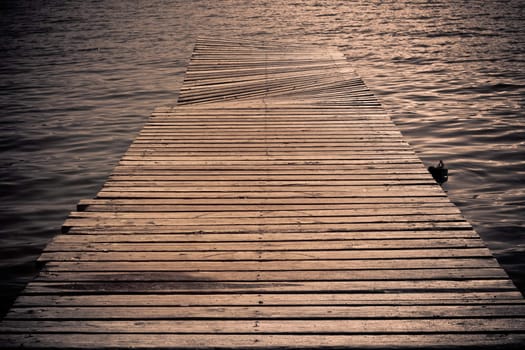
(298, 211)
(449, 220)
(273, 265)
(298, 170)
(268, 183)
(290, 167)
(283, 299)
(304, 313)
(492, 340)
(433, 213)
(124, 228)
(76, 236)
(485, 285)
(289, 275)
(267, 255)
(240, 204)
(240, 208)
(273, 246)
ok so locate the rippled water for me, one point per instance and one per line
(79, 78)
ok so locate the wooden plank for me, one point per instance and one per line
(435, 212)
(215, 151)
(123, 228)
(423, 326)
(239, 208)
(267, 255)
(182, 179)
(128, 227)
(290, 167)
(267, 183)
(271, 287)
(289, 203)
(267, 122)
(296, 170)
(285, 224)
(321, 314)
(301, 299)
(258, 341)
(285, 275)
(273, 265)
(299, 212)
(81, 237)
(274, 246)
(325, 190)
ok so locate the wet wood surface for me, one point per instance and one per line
(275, 206)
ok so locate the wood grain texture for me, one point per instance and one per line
(276, 206)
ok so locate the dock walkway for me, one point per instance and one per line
(276, 206)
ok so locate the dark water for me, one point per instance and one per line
(79, 78)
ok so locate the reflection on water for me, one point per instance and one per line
(78, 79)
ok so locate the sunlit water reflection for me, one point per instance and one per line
(79, 78)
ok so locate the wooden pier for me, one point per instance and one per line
(276, 206)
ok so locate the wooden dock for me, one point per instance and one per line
(276, 206)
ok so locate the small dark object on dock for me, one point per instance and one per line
(439, 172)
